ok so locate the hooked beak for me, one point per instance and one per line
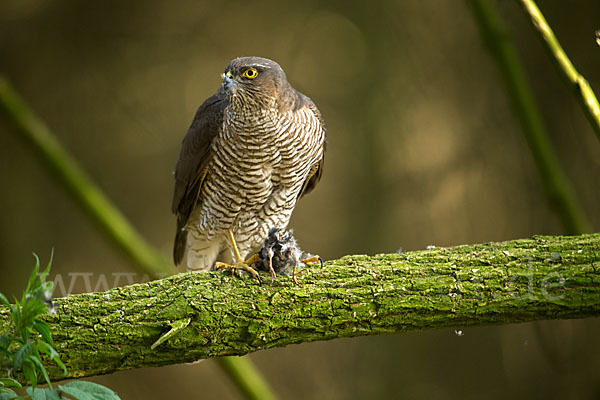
(228, 82)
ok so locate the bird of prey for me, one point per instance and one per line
(253, 149)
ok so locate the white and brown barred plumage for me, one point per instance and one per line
(253, 149)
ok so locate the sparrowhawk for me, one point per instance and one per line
(253, 149)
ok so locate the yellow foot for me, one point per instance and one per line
(312, 259)
(309, 260)
(240, 264)
(243, 266)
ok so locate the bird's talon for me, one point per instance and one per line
(312, 259)
(242, 266)
(309, 260)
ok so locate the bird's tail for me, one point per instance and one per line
(179, 245)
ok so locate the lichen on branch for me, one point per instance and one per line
(216, 314)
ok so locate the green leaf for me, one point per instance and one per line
(42, 394)
(32, 308)
(31, 311)
(4, 342)
(4, 300)
(40, 367)
(9, 382)
(59, 362)
(30, 372)
(46, 349)
(44, 330)
(77, 394)
(22, 354)
(47, 287)
(8, 394)
(85, 390)
(33, 275)
(15, 314)
(46, 271)
(50, 352)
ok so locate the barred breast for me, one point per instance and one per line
(261, 160)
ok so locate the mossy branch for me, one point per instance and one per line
(217, 314)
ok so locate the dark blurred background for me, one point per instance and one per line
(423, 149)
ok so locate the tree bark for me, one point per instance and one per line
(191, 316)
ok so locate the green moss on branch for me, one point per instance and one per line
(494, 283)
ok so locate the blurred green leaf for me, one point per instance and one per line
(47, 287)
(9, 382)
(15, 314)
(46, 271)
(4, 342)
(24, 316)
(34, 358)
(22, 354)
(33, 308)
(42, 394)
(53, 354)
(33, 276)
(8, 394)
(4, 300)
(30, 372)
(85, 390)
(44, 330)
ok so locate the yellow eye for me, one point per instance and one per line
(250, 73)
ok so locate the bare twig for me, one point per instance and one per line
(78, 184)
(574, 79)
(553, 178)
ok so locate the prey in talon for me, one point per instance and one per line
(253, 149)
(281, 254)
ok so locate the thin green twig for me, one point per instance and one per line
(246, 378)
(553, 178)
(89, 196)
(574, 79)
(117, 228)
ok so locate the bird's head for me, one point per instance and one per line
(254, 78)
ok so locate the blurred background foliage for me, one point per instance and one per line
(423, 149)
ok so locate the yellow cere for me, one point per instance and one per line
(250, 73)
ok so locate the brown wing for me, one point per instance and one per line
(316, 169)
(190, 169)
(313, 177)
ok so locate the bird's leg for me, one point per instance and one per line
(239, 261)
(254, 259)
(294, 276)
(305, 261)
(271, 270)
